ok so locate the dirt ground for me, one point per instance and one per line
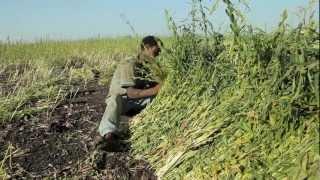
(60, 142)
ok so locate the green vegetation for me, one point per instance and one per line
(242, 106)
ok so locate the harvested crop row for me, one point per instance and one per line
(242, 106)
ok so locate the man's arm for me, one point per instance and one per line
(140, 93)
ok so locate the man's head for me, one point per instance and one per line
(150, 46)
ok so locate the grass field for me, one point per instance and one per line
(242, 105)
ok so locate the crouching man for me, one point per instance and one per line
(131, 89)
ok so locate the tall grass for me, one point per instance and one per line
(244, 106)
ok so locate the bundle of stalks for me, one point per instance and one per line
(242, 106)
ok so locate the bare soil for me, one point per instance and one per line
(60, 142)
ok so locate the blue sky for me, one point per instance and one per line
(78, 19)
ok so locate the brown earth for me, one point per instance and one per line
(60, 142)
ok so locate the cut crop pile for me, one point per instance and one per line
(242, 105)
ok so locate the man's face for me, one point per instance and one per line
(153, 51)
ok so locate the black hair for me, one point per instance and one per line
(150, 41)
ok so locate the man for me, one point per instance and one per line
(131, 89)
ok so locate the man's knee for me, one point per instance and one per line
(111, 117)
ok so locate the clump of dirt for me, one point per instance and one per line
(60, 142)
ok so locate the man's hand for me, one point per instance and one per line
(140, 93)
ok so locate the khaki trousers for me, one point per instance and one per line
(120, 105)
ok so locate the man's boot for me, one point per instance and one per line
(103, 145)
